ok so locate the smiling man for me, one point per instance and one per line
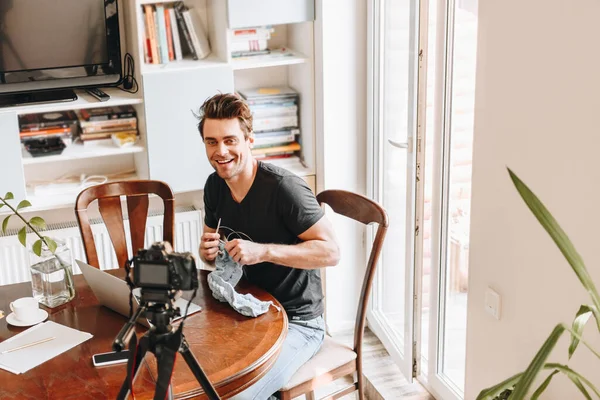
(274, 228)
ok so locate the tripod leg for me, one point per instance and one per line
(191, 361)
(166, 351)
(137, 351)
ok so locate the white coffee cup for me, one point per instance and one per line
(26, 309)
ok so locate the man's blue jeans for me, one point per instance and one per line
(304, 338)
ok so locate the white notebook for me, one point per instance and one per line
(20, 361)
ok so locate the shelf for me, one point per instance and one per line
(185, 64)
(62, 197)
(117, 98)
(278, 57)
(142, 2)
(292, 164)
(78, 151)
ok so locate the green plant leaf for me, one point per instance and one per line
(22, 235)
(50, 243)
(1, 205)
(492, 392)
(38, 221)
(518, 379)
(537, 364)
(561, 239)
(23, 204)
(575, 376)
(586, 344)
(8, 196)
(37, 247)
(543, 386)
(5, 223)
(582, 317)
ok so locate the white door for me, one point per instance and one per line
(395, 163)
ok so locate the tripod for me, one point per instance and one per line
(164, 341)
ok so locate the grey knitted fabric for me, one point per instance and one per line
(222, 282)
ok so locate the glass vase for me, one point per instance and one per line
(52, 275)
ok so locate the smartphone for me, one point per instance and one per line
(113, 357)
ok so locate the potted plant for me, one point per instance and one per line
(518, 386)
(51, 272)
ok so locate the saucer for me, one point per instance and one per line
(42, 315)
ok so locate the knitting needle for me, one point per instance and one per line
(219, 225)
(28, 345)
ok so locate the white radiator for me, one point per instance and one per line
(14, 258)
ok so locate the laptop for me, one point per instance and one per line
(113, 293)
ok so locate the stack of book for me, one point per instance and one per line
(173, 32)
(55, 124)
(275, 121)
(250, 41)
(98, 125)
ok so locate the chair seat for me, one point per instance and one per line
(330, 356)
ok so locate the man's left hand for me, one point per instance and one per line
(246, 252)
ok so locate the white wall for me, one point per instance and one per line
(537, 107)
(344, 33)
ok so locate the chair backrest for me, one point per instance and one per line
(365, 211)
(109, 204)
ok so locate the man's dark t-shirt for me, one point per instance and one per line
(278, 207)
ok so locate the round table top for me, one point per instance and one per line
(234, 351)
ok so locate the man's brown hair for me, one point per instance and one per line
(226, 106)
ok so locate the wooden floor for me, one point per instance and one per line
(383, 377)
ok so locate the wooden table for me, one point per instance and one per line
(234, 351)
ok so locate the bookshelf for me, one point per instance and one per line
(170, 147)
(289, 63)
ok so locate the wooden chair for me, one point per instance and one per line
(109, 204)
(334, 360)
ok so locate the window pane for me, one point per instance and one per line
(459, 191)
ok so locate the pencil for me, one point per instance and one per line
(28, 345)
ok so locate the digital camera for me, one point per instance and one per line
(158, 268)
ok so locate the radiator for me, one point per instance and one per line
(14, 258)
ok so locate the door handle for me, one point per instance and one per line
(400, 145)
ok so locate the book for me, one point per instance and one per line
(105, 135)
(154, 56)
(197, 32)
(274, 123)
(274, 110)
(158, 41)
(169, 34)
(274, 156)
(45, 132)
(106, 113)
(162, 33)
(179, 8)
(267, 92)
(54, 119)
(291, 147)
(147, 46)
(175, 33)
(252, 53)
(248, 45)
(109, 128)
(256, 33)
(280, 138)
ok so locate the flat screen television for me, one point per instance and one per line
(49, 47)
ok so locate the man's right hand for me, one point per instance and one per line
(209, 246)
